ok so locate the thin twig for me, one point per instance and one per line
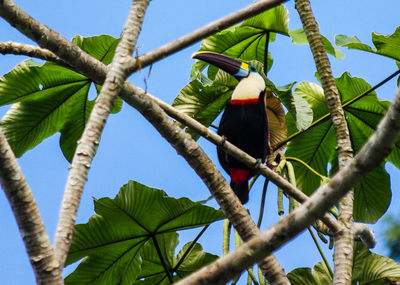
(320, 251)
(30, 50)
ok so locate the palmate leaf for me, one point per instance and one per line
(316, 146)
(386, 45)
(368, 268)
(112, 239)
(49, 98)
(153, 271)
(245, 41)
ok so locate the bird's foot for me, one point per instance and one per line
(223, 140)
(258, 163)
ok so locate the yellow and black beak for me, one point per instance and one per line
(234, 67)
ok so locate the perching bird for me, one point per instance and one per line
(244, 122)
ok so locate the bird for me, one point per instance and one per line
(244, 122)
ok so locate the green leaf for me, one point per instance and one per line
(316, 146)
(386, 45)
(298, 108)
(205, 102)
(371, 268)
(299, 37)
(153, 271)
(368, 268)
(319, 275)
(122, 226)
(51, 99)
(245, 41)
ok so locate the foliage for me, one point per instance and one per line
(132, 238)
(368, 268)
(48, 98)
(134, 231)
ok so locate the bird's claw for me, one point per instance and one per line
(223, 140)
(258, 163)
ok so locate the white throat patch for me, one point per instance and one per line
(249, 87)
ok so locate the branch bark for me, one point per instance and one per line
(343, 253)
(181, 141)
(334, 226)
(30, 223)
(89, 141)
(29, 50)
(374, 151)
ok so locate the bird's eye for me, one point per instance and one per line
(253, 69)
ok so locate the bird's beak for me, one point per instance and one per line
(234, 67)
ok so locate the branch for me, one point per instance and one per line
(199, 34)
(136, 97)
(89, 141)
(30, 224)
(343, 254)
(374, 151)
(29, 50)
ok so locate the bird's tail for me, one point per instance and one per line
(241, 190)
(240, 183)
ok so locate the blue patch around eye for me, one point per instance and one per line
(241, 73)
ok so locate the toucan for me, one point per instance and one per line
(244, 122)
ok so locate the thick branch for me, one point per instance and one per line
(374, 151)
(89, 141)
(30, 224)
(178, 139)
(343, 254)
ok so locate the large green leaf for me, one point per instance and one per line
(188, 260)
(386, 45)
(49, 98)
(245, 41)
(316, 146)
(121, 227)
(368, 268)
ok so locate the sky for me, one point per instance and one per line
(131, 149)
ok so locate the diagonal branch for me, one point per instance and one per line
(374, 151)
(30, 224)
(89, 141)
(343, 254)
(181, 141)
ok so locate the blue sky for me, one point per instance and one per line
(131, 149)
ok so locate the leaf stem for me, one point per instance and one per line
(190, 248)
(164, 265)
(306, 165)
(326, 116)
(321, 252)
(264, 194)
